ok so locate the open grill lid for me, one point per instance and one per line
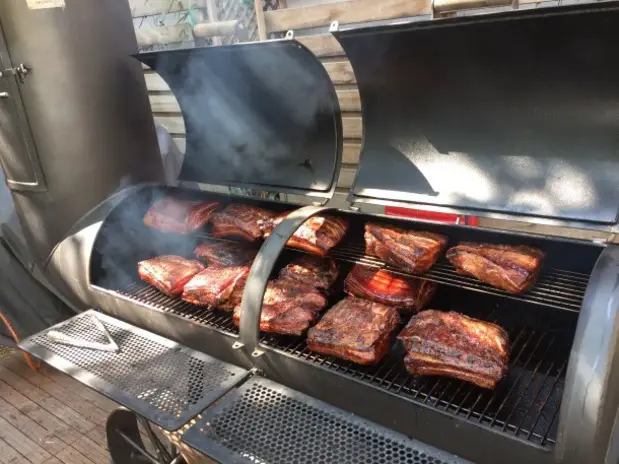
(513, 114)
(262, 115)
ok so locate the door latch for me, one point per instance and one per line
(20, 71)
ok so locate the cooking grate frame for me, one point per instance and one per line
(555, 288)
(297, 429)
(167, 383)
(525, 404)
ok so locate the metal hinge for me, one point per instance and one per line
(20, 71)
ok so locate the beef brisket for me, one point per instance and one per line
(169, 274)
(454, 345)
(355, 329)
(288, 307)
(406, 293)
(510, 268)
(225, 254)
(410, 250)
(317, 272)
(214, 286)
(316, 235)
(179, 216)
(242, 221)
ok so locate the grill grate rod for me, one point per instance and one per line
(555, 288)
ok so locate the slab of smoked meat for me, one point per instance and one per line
(406, 293)
(510, 268)
(317, 272)
(241, 221)
(225, 254)
(214, 286)
(454, 345)
(179, 216)
(355, 329)
(410, 250)
(168, 274)
(288, 307)
(316, 235)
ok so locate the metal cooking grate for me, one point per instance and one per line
(165, 382)
(555, 288)
(264, 422)
(149, 296)
(524, 404)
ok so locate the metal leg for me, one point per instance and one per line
(162, 452)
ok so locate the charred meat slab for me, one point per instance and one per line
(214, 286)
(355, 329)
(169, 273)
(225, 254)
(406, 293)
(454, 345)
(179, 216)
(316, 235)
(410, 250)
(312, 270)
(510, 268)
(241, 221)
(288, 307)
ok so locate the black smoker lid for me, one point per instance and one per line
(262, 115)
(516, 113)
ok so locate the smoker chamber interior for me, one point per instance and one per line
(540, 323)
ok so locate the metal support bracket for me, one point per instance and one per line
(289, 34)
(251, 305)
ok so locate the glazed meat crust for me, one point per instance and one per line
(406, 293)
(168, 273)
(510, 268)
(213, 287)
(355, 329)
(225, 254)
(241, 221)
(317, 235)
(179, 216)
(288, 307)
(312, 270)
(455, 345)
(410, 250)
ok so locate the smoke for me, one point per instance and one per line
(252, 113)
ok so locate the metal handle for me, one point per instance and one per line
(251, 304)
(4, 95)
(450, 6)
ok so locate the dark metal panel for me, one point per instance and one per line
(591, 396)
(260, 114)
(294, 427)
(163, 381)
(514, 113)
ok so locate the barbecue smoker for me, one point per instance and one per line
(511, 115)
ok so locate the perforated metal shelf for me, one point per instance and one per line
(159, 379)
(264, 422)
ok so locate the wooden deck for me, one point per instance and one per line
(47, 417)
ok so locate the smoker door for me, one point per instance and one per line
(18, 155)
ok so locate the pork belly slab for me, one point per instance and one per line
(168, 273)
(355, 329)
(455, 345)
(406, 293)
(179, 216)
(289, 307)
(510, 268)
(410, 250)
(316, 235)
(312, 270)
(214, 286)
(225, 254)
(241, 221)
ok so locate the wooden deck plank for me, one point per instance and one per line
(95, 452)
(71, 456)
(22, 444)
(47, 402)
(75, 402)
(29, 427)
(9, 456)
(99, 436)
